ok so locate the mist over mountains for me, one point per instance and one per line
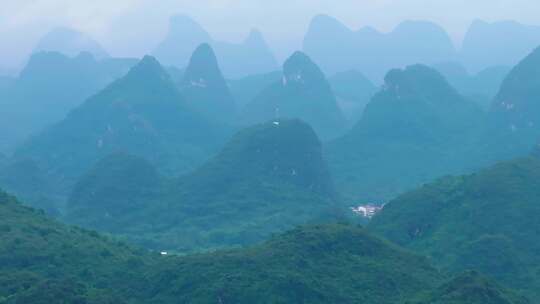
(252, 56)
(69, 42)
(374, 52)
(205, 88)
(368, 167)
(50, 86)
(490, 36)
(302, 92)
(410, 42)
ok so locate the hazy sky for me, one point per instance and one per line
(134, 27)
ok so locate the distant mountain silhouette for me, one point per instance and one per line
(247, 88)
(304, 93)
(69, 42)
(7, 72)
(6, 84)
(142, 113)
(353, 92)
(204, 87)
(184, 36)
(50, 86)
(252, 56)
(499, 43)
(337, 48)
(517, 101)
(481, 87)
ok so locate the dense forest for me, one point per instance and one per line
(331, 263)
(365, 167)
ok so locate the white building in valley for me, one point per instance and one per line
(368, 210)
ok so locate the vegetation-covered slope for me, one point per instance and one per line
(315, 264)
(251, 56)
(205, 88)
(338, 48)
(472, 288)
(247, 88)
(267, 179)
(516, 109)
(353, 92)
(46, 262)
(142, 113)
(115, 190)
(69, 42)
(27, 179)
(43, 261)
(480, 87)
(302, 93)
(49, 86)
(415, 129)
(482, 36)
(486, 221)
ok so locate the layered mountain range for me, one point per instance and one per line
(374, 53)
(303, 92)
(50, 85)
(252, 56)
(272, 173)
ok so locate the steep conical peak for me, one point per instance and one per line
(289, 149)
(299, 68)
(280, 134)
(183, 24)
(42, 59)
(525, 74)
(149, 62)
(327, 24)
(517, 97)
(203, 68)
(418, 32)
(70, 42)
(417, 79)
(203, 56)
(148, 68)
(183, 36)
(42, 63)
(255, 38)
(418, 105)
(322, 28)
(297, 59)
